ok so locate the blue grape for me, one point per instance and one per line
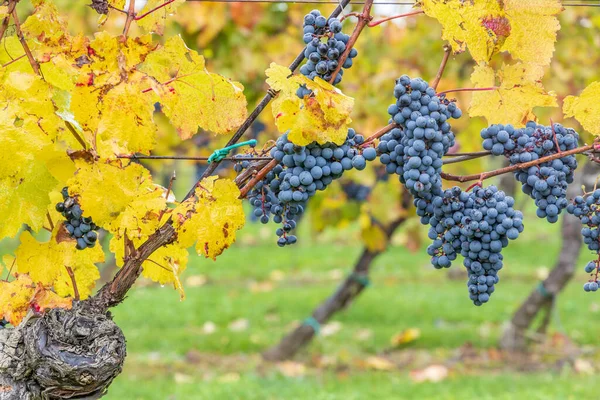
(587, 209)
(464, 223)
(547, 182)
(77, 226)
(323, 56)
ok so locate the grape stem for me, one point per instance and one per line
(381, 21)
(378, 134)
(469, 90)
(11, 7)
(13, 60)
(166, 3)
(515, 167)
(257, 178)
(73, 282)
(173, 178)
(456, 159)
(447, 48)
(363, 19)
(130, 18)
(34, 64)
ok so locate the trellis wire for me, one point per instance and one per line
(579, 3)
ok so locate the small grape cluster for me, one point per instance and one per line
(547, 182)
(587, 209)
(478, 225)
(301, 172)
(79, 227)
(415, 149)
(323, 56)
(356, 191)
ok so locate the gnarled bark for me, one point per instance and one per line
(63, 354)
(543, 297)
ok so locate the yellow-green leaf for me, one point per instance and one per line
(210, 218)
(323, 116)
(190, 96)
(519, 90)
(155, 22)
(46, 262)
(487, 27)
(108, 192)
(585, 108)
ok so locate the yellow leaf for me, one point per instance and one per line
(163, 266)
(36, 168)
(464, 27)
(585, 108)
(210, 218)
(107, 191)
(532, 42)
(377, 363)
(190, 96)
(323, 116)
(26, 98)
(44, 299)
(46, 262)
(277, 78)
(111, 59)
(15, 297)
(372, 234)
(406, 336)
(519, 91)
(127, 124)
(155, 21)
(487, 27)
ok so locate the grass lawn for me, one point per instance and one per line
(208, 346)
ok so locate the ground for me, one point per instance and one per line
(207, 347)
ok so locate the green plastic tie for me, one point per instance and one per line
(542, 289)
(362, 280)
(220, 154)
(314, 324)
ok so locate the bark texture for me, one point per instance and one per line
(63, 354)
(543, 296)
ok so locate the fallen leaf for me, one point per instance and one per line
(195, 281)
(406, 336)
(209, 328)
(331, 328)
(377, 363)
(239, 325)
(432, 373)
(291, 369)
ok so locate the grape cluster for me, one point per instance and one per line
(547, 182)
(478, 225)
(356, 191)
(79, 227)
(588, 211)
(415, 149)
(323, 55)
(301, 172)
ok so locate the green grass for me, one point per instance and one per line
(171, 357)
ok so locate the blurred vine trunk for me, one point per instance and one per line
(349, 290)
(543, 297)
